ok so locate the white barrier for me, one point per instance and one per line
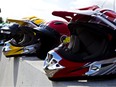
(28, 72)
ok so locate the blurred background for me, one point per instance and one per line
(44, 8)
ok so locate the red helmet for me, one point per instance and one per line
(55, 28)
(51, 34)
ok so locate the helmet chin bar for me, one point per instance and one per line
(97, 68)
(51, 63)
(10, 50)
(31, 48)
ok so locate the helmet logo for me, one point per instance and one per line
(64, 39)
(58, 23)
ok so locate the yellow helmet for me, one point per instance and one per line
(27, 39)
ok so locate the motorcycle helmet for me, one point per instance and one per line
(51, 35)
(42, 38)
(90, 52)
(24, 38)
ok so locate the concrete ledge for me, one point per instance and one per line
(28, 72)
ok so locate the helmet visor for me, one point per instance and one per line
(48, 31)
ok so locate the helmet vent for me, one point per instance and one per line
(58, 23)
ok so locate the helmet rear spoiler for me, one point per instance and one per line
(64, 14)
(69, 15)
(20, 22)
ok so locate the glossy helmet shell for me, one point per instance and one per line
(57, 26)
(50, 35)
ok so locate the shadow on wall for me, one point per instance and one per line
(89, 83)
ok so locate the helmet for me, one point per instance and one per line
(50, 35)
(24, 39)
(38, 40)
(90, 53)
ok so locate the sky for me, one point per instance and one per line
(44, 8)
